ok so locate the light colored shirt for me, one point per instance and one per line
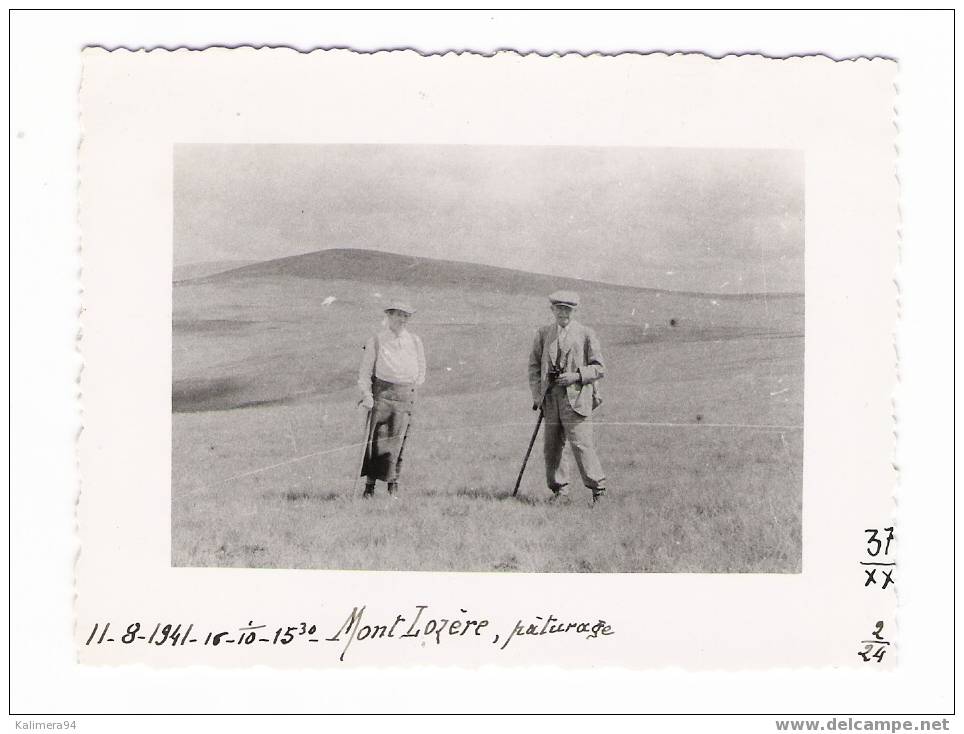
(562, 339)
(400, 359)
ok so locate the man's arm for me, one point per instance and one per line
(420, 354)
(365, 370)
(535, 368)
(593, 369)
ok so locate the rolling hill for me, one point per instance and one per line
(190, 271)
(373, 266)
(290, 329)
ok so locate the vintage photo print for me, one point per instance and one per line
(395, 359)
(377, 322)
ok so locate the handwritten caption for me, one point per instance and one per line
(419, 624)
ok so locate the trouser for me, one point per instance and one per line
(390, 422)
(566, 426)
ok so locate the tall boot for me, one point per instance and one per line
(369, 489)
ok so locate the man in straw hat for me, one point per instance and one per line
(564, 366)
(392, 368)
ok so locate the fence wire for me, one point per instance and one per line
(466, 429)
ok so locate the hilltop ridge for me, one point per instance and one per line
(414, 271)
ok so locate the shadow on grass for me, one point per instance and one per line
(302, 496)
(469, 493)
(496, 495)
(510, 563)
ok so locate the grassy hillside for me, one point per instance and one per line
(190, 271)
(264, 424)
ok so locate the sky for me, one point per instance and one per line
(708, 220)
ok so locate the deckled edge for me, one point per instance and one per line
(79, 352)
(755, 54)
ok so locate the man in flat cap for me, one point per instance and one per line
(392, 368)
(564, 367)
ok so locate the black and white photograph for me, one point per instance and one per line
(555, 338)
(557, 359)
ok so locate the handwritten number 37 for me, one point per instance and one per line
(877, 544)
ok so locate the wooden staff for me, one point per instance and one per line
(525, 461)
(368, 441)
(532, 440)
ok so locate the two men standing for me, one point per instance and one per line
(565, 364)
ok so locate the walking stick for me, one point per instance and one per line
(525, 461)
(532, 442)
(368, 441)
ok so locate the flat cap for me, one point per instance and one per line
(397, 305)
(564, 298)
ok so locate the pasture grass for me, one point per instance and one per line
(686, 498)
(266, 437)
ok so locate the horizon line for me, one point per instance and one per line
(252, 262)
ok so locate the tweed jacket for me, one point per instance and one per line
(581, 354)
